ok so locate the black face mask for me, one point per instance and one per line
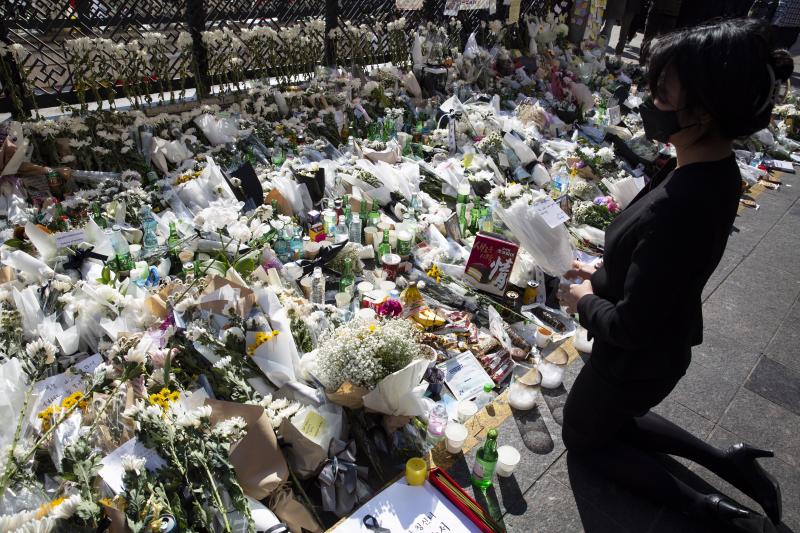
(660, 125)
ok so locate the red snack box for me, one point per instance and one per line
(490, 263)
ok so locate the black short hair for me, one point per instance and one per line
(723, 68)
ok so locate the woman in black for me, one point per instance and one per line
(710, 84)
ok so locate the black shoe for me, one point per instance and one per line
(759, 484)
(734, 516)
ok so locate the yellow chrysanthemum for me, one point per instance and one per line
(68, 402)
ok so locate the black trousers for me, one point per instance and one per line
(608, 426)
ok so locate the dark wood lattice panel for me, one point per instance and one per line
(296, 42)
(44, 28)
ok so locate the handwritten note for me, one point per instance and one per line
(402, 508)
(552, 214)
(54, 388)
(65, 239)
(313, 424)
(112, 471)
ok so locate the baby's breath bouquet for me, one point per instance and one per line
(375, 364)
(363, 353)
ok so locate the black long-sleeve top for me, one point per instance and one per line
(646, 311)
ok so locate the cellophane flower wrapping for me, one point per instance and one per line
(550, 247)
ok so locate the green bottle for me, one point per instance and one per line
(363, 210)
(462, 219)
(174, 240)
(98, 217)
(485, 462)
(383, 248)
(474, 224)
(346, 283)
(374, 216)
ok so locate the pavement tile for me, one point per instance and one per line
(788, 478)
(779, 249)
(751, 303)
(724, 355)
(553, 508)
(632, 512)
(730, 260)
(705, 391)
(749, 227)
(785, 345)
(776, 383)
(764, 424)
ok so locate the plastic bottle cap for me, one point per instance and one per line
(488, 387)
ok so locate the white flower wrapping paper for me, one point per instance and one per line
(278, 358)
(400, 393)
(13, 383)
(217, 130)
(550, 247)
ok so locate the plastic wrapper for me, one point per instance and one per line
(217, 130)
(14, 384)
(28, 265)
(523, 151)
(549, 247)
(400, 393)
(403, 178)
(173, 151)
(278, 358)
(296, 195)
(13, 200)
(624, 190)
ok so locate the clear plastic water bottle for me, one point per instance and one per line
(342, 232)
(437, 423)
(317, 286)
(149, 225)
(355, 229)
(485, 397)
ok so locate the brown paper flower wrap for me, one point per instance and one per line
(260, 466)
(348, 395)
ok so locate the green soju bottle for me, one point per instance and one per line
(347, 280)
(485, 462)
(174, 240)
(383, 248)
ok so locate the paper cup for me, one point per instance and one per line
(543, 337)
(342, 300)
(507, 460)
(456, 434)
(387, 286)
(466, 410)
(366, 314)
(186, 256)
(305, 284)
(311, 249)
(369, 235)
